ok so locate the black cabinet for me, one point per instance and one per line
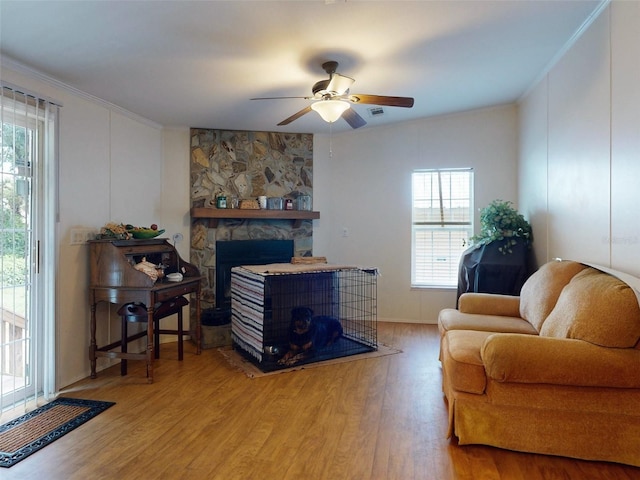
(485, 269)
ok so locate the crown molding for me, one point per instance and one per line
(10, 63)
(566, 47)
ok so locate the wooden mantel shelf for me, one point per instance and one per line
(215, 214)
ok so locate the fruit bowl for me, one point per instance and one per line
(141, 233)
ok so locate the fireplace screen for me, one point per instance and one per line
(285, 315)
(234, 253)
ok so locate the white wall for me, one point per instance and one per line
(533, 171)
(362, 182)
(175, 216)
(111, 169)
(579, 145)
(625, 136)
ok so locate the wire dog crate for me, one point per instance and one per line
(264, 297)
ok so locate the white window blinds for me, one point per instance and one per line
(442, 220)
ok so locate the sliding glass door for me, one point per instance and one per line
(26, 283)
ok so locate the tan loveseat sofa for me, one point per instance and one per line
(553, 371)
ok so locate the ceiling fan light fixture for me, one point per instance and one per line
(330, 110)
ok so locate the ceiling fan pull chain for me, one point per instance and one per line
(331, 140)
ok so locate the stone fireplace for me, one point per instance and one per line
(246, 165)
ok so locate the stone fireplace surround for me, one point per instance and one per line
(246, 165)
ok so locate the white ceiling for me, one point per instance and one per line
(198, 63)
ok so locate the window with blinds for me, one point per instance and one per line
(442, 221)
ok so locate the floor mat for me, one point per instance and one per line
(29, 433)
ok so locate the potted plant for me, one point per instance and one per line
(498, 260)
(500, 222)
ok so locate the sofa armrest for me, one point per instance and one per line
(516, 358)
(489, 304)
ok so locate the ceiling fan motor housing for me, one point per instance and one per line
(319, 89)
(330, 67)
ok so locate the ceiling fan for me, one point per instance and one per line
(333, 99)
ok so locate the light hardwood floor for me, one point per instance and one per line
(381, 418)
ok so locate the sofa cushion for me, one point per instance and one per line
(461, 360)
(598, 308)
(541, 291)
(452, 319)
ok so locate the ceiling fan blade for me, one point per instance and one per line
(353, 119)
(295, 116)
(406, 102)
(339, 84)
(278, 98)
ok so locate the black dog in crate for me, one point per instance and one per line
(308, 333)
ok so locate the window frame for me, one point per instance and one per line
(462, 228)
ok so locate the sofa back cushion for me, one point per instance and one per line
(541, 291)
(598, 308)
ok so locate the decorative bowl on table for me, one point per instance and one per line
(174, 277)
(142, 233)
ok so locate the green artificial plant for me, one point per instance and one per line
(501, 222)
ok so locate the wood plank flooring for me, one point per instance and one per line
(381, 418)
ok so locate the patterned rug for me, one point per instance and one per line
(29, 433)
(250, 369)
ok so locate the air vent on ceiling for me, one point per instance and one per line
(375, 111)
